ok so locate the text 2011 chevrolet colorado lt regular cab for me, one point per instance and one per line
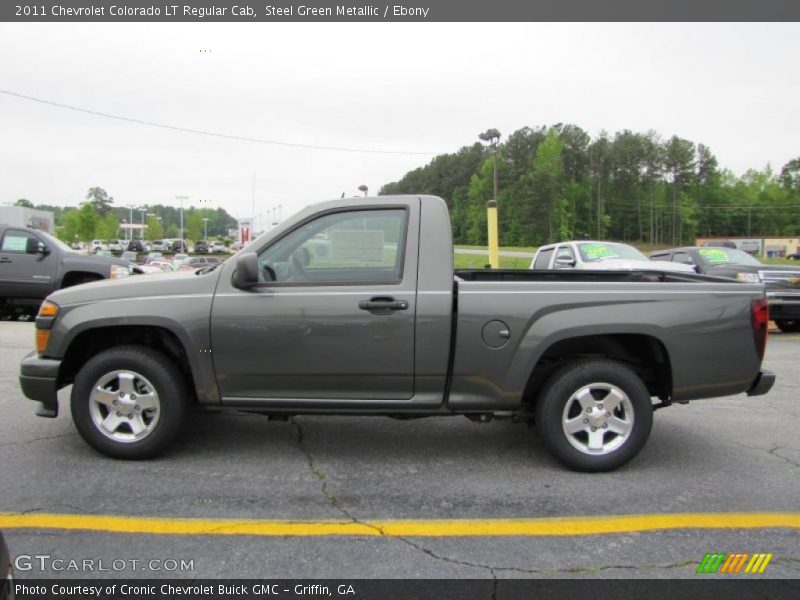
(352, 307)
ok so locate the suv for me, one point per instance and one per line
(159, 245)
(201, 247)
(136, 246)
(179, 246)
(218, 247)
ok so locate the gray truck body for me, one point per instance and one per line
(468, 342)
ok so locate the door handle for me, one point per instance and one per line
(383, 305)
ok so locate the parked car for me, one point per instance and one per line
(129, 256)
(160, 245)
(198, 262)
(151, 256)
(389, 328)
(218, 247)
(201, 247)
(33, 264)
(180, 246)
(96, 245)
(136, 246)
(782, 282)
(598, 256)
(114, 245)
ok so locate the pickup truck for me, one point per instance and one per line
(33, 264)
(352, 307)
(592, 255)
(781, 282)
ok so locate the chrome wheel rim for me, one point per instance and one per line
(124, 406)
(598, 419)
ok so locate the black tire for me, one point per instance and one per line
(788, 325)
(562, 389)
(159, 372)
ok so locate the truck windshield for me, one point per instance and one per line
(54, 241)
(597, 251)
(727, 256)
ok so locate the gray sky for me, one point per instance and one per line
(428, 87)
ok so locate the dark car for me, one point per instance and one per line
(5, 570)
(136, 246)
(179, 246)
(34, 264)
(782, 283)
(201, 247)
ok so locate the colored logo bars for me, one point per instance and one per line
(720, 562)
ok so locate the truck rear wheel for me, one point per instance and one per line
(128, 402)
(594, 415)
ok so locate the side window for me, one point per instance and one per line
(683, 258)
(566, 257)
(16, 240)
(340, 248)
(543, 259)
(660, 257)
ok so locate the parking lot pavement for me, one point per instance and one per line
(727, 455)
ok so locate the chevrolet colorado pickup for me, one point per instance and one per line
(353, 307)
(34, 264)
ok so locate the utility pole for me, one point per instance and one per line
(182, 198)
(205, 228)
(363, 188)
(492, 137)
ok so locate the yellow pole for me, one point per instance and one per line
(491, 221)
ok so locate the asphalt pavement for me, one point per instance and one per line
(728, 455)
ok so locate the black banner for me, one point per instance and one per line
(409, 589)
(397, 11)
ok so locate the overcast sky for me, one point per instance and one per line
(398, 87)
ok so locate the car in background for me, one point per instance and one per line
(599, 256)
(235, 247)
(201, 247)
(781, 282)
(114, 245)
(96, 245)
(162, 263)
(151, 256)
(136, 246)
(6, 572)
(217, 247)
(129, 256)
(198, 262)
(159, 245)
(180, 246)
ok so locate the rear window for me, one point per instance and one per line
(543, 259)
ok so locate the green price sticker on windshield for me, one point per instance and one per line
(714, 254)
(598, 251)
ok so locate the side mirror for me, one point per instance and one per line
(246, 274)
(34, 246)
(565, 262)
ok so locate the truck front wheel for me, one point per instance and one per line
(594, 415)
(128, 402)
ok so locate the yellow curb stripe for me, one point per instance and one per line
(558, 526)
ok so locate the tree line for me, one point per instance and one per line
(557, 183)
(97, 218)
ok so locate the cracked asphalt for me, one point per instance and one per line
(734, 454)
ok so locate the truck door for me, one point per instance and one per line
(334, 316)
(22, 274)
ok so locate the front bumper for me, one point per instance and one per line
(38, 378)
(783, 305)
(762, 383)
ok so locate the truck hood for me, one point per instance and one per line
(138, 286)
(612, 264)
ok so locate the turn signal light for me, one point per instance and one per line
(48, 309)
(42, 337)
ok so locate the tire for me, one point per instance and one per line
(129, 402)
(601, 440)
(788, 325)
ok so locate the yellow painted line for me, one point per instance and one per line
(557, 526)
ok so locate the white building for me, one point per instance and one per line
(19, 216)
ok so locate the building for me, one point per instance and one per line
(19, 216)
(763, 247)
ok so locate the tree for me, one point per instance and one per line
(24, 203)
(194, 225)
(155, 231)
(100, 200)
(87, 220)
(107, 228)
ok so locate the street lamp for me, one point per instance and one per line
(205, 228)
(143, 210)
(492, 137)
(181, 198)
(363, 188)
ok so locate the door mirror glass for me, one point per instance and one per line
(35, 246)
(246, 274)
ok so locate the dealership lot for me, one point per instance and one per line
(727, 455)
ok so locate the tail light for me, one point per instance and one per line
(759, 318)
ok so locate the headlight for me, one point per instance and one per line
(118, 271)
(748, 277)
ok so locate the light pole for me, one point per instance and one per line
(363, 188)
(181, 198)
(130, 221)
(492, 137)
(205, 228)
(143, 210)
